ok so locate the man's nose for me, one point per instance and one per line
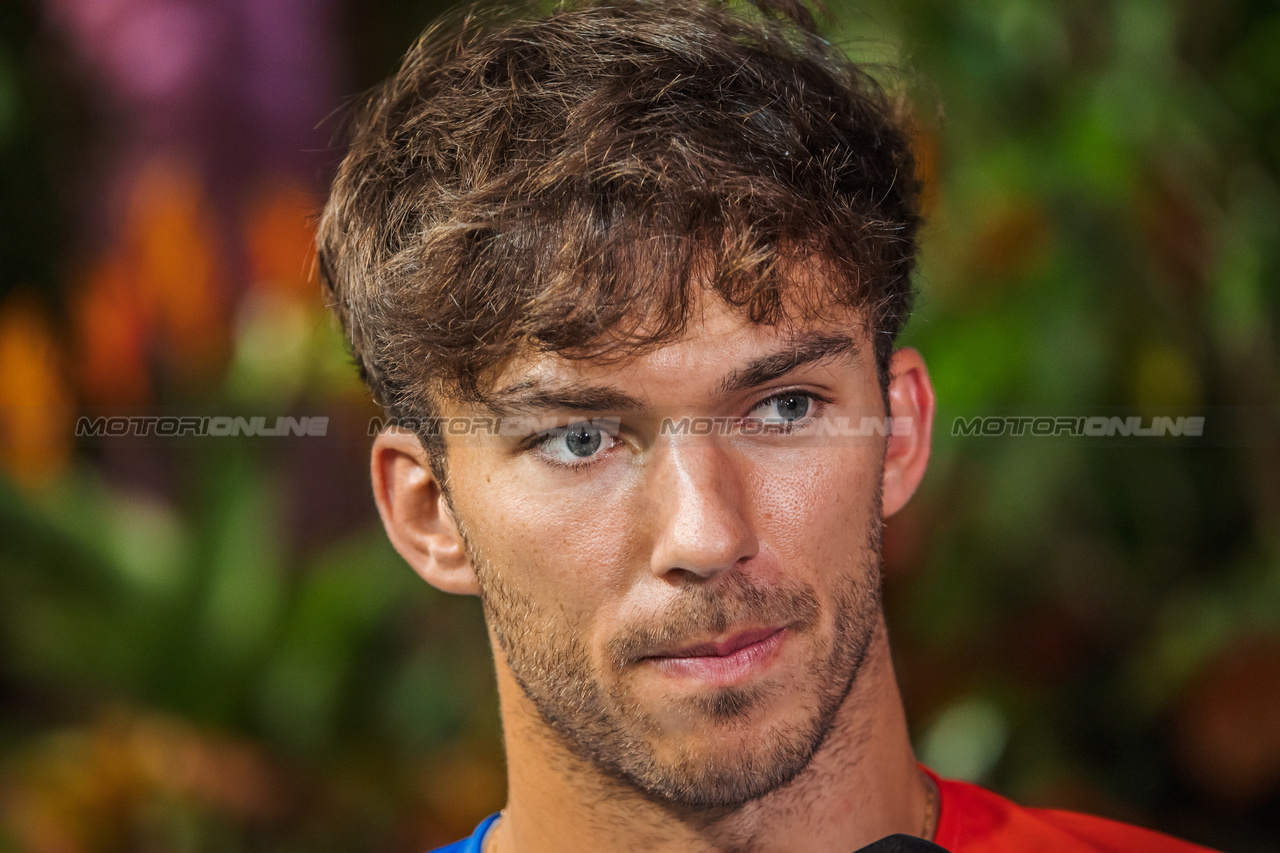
(700, 507)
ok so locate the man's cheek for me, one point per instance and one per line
(826, 514)
(803, 491)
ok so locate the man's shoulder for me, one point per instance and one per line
(972, 818)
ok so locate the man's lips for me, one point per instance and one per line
(720, 648)
(722, 663)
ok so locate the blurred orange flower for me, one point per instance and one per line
(35, 402)
(111, 335)
(280, 234)
(178, 274)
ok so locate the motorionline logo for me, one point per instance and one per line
(519, 425)
(1096, 426)
(842, 427)
(216, 426)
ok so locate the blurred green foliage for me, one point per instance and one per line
(211, 655)
(1071, 616)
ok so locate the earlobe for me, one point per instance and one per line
(911, 405)
(416, 515)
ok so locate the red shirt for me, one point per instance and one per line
(974, 820)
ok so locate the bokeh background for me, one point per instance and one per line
(208, 645)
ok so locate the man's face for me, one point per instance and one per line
(687, 611)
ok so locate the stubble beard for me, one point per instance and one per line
(603, 725)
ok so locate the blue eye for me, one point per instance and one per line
(576, 443)
(583, 440)
(784, 408)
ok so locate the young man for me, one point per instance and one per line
(634, 273)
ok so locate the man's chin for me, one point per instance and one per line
(724, 754)
(711, 783)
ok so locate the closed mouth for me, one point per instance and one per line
(721, 648)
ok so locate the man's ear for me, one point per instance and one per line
(416, 515)
(910, 405)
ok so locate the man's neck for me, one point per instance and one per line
(861, 785)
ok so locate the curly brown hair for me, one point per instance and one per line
(570, 183)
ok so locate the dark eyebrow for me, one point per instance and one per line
(767, 368)
(528, 396)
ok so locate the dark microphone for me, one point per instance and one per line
(902, 844)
